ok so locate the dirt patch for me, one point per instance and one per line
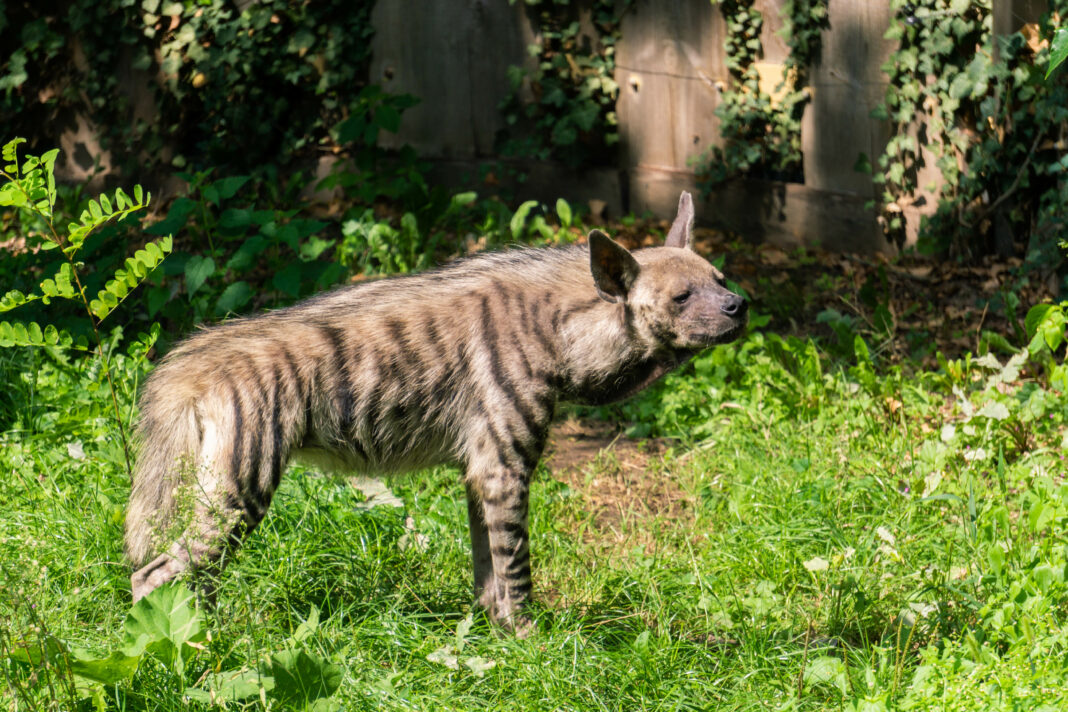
(622, 482)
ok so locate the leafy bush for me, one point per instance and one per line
(990, 119)
(564, 108)
(30, 188)
(223, 84)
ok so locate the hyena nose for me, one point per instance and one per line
(734, 306)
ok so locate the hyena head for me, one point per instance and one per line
(675, 299)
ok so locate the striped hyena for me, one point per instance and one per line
(463, 364)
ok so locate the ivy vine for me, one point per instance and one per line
(992, 121)
(229, 87)
(761, 137)
(564, 108)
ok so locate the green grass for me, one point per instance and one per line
(814, 538)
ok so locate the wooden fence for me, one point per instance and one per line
(454, 54)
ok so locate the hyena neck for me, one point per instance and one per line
(604, 361)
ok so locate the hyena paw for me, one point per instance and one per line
(514, 620)
(523, 626)
(158, 572)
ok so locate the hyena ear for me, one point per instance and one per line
(614, 268)
(681, 232)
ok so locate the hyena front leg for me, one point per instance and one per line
(500, 544)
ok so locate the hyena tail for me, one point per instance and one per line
(170, 443)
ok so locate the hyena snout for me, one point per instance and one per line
(734, 306)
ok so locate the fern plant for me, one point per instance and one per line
(29, 185)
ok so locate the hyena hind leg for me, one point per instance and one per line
(500, 547)
(218, 522)
(201, 549)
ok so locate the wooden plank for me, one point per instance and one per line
(1010, 15)
(785, 214)
(453, 55)
(846, 85)
(669, 59)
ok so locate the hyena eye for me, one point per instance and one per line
(682, 297)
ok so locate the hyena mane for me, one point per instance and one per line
(464, 364)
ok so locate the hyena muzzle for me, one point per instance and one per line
(463, 365)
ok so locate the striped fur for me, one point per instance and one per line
(461, 365)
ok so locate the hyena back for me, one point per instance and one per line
(460, 365)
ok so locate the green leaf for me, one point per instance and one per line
(226, 188)
(307, 628)
(826, 670)
(197, 269)
(164, 623)
(14, 298)
(388, 118)
(1034, 317)
(301, 678)
(994, 410)
(563, 210)
(287, 280)
(231, 686)
(1058, 49)
(176, 218)
(115, 668)
(520, 218)
(246, 254)
(233, 298)
(235, 219)
(10, 153)
(995, 556)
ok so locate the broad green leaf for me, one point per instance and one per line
(231, 686)
(1034, 317)
(226, 188)
(115, 668)
(197, 269)
(995, 556)
(36, 651)
(247, 253)
(827, 671)
(14, 299)
(10, 153)
(307, 628)
(287, 280)
(233, 298)
(235, 219)
(176, 218)
(388, 118)
(301, 678)
(995, 410)
(164, 623)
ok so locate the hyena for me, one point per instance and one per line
(464, 364)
